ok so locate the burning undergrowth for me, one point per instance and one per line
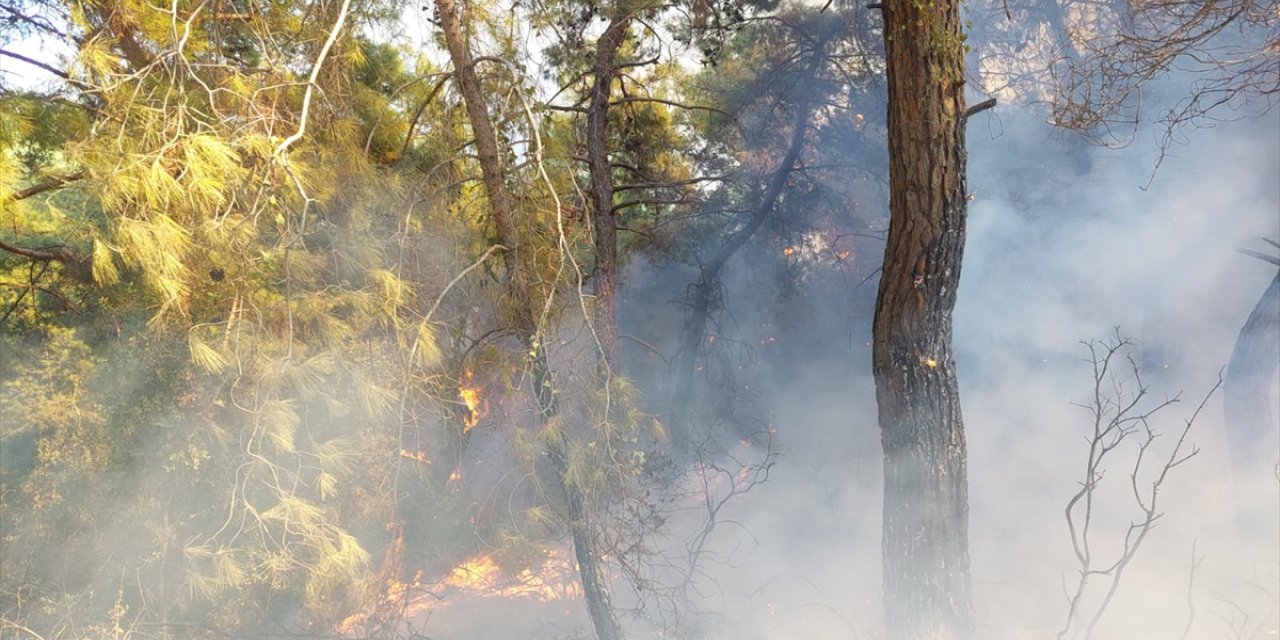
(548, 576)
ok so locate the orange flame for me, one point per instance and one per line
(477, 406)
(554, 578)
(420, 456)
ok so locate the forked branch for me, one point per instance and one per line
(1119, 412)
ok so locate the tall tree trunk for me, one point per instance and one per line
(605, 225)
(1251, 434)
(926, 512)
(585, 544)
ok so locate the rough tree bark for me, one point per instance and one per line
(1251, 434)
(585, 545)
(605, 225)
(926, 578)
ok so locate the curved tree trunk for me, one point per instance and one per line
(704, 290)
(585, 544)
(1251, 433)
(702, 296)
(926, 512)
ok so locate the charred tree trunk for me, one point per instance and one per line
(1251, 434)
(926, 511)
(605, 225)
(585, 543)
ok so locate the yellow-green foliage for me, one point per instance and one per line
(272, 341)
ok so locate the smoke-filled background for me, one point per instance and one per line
(1070, 246)
(1067, 243)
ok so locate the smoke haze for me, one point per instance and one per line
(1065, 245)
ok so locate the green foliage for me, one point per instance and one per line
(243, 371)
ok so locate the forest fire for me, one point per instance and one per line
(477, 405)
(479, 577)
(482, 576)
(419, 456)
(328, 320)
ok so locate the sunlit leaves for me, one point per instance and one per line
(206, 357)
(279, 421)
(157, 247)
(374, 399)
(426, 349)
(307, 377)
(105, 272)
(339, 564)
(96, 59)
(326, 485)
(211, 167)
(291, 510)
(300, 319)
(212, 572)
(337, 455)
(395, 293)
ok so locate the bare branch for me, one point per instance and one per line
(1116, 417)
(62, 254)
(48, 185)
(36, 63)
(479, 261)
(1261, 256)
(671, 103)
(979, 108)
(311, 82)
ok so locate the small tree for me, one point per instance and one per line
(1121, 415)
(1251, 430)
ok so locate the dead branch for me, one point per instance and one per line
(672, 103)
(1191, 583)
(36, 63)
(980, 107)
(1117, 415)
(58, 253)
(48, 185)
(1261, 256)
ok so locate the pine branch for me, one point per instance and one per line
(36, 63)
(60, 255)
(48, 185)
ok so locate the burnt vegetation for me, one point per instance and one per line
(583, 319)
